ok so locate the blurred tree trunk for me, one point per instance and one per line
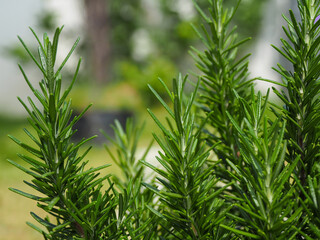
(99, 42)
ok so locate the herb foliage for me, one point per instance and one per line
(227, 169)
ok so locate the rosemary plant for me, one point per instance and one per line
(223, 72)
(125, 143)
(68, 191)
(301, 100)
(191, 205)
(227, 170)
(301, 103)
(263, 180)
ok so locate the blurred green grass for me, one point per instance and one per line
(15, 210)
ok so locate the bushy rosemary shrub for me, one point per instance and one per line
(227, 170)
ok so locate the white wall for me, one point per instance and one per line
(15, 18)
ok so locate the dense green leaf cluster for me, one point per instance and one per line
(223, 75)
(226, 168)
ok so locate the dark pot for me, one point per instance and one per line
(93, 122)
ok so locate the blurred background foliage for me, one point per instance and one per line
(127, 45)
(135, 42)
(130, 44)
